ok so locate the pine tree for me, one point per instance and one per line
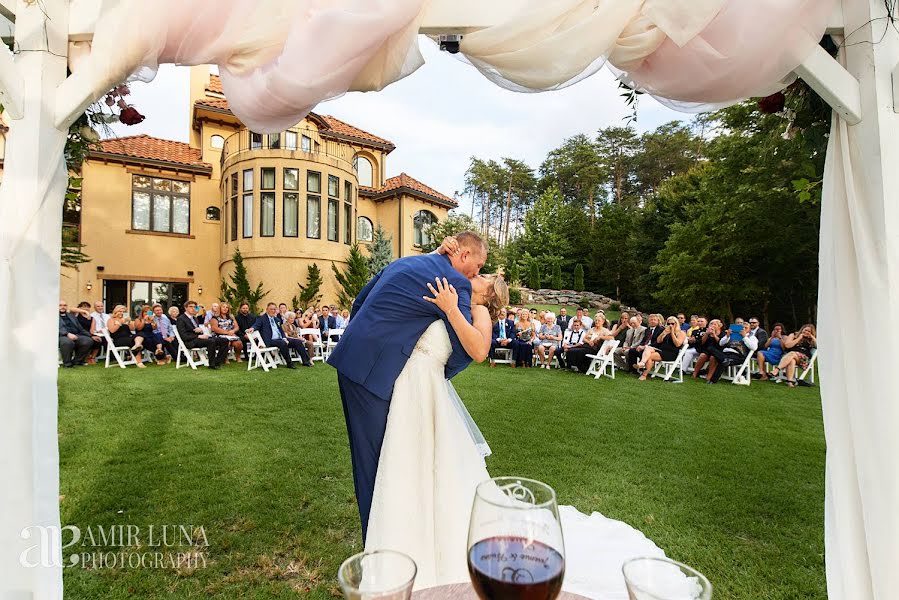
(534, 276)
(381, 252)
(353, 278)
(579, 278)
(240, 290)
(514, 275)
(310, 294)
(557, 277)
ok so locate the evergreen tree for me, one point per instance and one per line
(579, 278)
(557, 277)
(310, 294)
(514, 275)
(381, 253)
(534, 276)
(240, 290)
(353, 278)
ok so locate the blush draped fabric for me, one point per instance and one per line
(279, 58)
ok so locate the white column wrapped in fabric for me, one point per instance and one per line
(31, 196)
(858, 299)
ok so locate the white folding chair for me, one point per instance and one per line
(666, 368)
(330, 343)
(318, 348)
(261, 355)
(506, 353)
(740, 374)
(809, 371)
(122, 354)
(603, 362)
(201, 358)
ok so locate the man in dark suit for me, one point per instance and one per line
(564, 321)
(75, 342)
(503, 334)
(272, 333)
(652, 332)
(389, 316)
(755, 329)
(328, 321)
(193, 337)
(245, 320)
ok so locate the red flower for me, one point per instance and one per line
(773, 103)
(130, 116)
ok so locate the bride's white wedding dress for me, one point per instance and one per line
(427, 474)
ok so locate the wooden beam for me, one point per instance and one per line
(833, 83)
(12, 86)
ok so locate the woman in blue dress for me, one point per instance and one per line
(773, 351)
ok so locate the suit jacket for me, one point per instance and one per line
(563, 322)
(69, 324)
(650, 336)
(761, 335)
(510, 330)
(186, 328)
(633, 337)
(332, 323)
(264, 326)
(388, 317)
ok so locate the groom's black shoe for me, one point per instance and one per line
(290, 365)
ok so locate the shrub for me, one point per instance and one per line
(616, 306)
(557, 277)
(534, 276)
(579, 278)
(584, 302)
(514, 296)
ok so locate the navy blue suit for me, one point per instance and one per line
(389, 316)
(510, 334)
(264, 327)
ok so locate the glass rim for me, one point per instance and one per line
(386, 552)
(496, 480)
(664, 559)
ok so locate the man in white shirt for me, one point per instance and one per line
(99, 316)
(573, 338)
(581, 315)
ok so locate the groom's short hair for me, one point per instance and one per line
(472, 241)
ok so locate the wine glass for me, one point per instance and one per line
(377, 575)
(664, 579)
(515, 546)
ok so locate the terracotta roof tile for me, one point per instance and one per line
(410, 183)
(144, 146)
(343, 128)
(219, 103)
(215, 85)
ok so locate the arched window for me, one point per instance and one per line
(364, 170)
(213, 213)
(420, 223)
(216, 141)
(364, 229)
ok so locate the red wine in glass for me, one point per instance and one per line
(515, 568)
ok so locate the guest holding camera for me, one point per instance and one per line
(664, 348)
(773, 351)
(121, 331)
(798, 347)
(731, 350)
(710, 340)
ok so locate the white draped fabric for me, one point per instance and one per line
(279, 58)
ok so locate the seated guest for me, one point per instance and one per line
(121, 331)
(192, 335)
(581, 315)
(503, 334)
(84, 316)
(563, 321)
(145, 326)
(652, 332)
(282, 312)
(211, 313)
(633, 336)
(173, 313)
(523, 344)
(577, 358)
(694, 341)
(756, 330)
(620, 328)
(75, 342)
(225, 326)
(549, 337)
(693, 326)
(346, 317)
(798, 349)
(574, 338)
(100, 316)
(164, 334)
(273, 335)
(773, 350)
(327, 322)
(709, 340)
(245, 320)
(682, 322)
(309, 320)
(664, 348)
(731, 350)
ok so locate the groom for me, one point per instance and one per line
(389, 315)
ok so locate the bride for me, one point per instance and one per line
(430, 465)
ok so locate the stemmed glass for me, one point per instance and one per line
(515, 545)
(378, 575)
(664, 579)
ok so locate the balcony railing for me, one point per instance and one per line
(296, 139)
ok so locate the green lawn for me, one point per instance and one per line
(725, 478)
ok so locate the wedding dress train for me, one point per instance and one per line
(427, 474)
